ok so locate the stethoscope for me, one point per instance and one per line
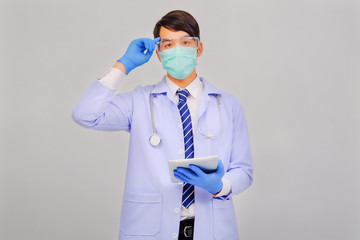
(155, 138)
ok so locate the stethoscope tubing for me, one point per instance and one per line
(155, 138)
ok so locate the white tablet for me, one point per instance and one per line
(207, 164)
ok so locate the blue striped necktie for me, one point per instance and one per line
(188, 189)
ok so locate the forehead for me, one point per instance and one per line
(167, 33)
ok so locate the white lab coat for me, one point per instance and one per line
(151, 203)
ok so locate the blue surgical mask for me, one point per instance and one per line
(179, 61)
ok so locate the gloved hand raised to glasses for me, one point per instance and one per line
(195, 176)
(135, 54)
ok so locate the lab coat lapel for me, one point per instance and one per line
(205, 97)
(162, 88)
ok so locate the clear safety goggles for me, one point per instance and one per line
(168, 43)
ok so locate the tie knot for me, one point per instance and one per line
(183, 94)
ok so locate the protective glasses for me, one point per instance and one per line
(168, 43)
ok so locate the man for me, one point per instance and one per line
(182, 116)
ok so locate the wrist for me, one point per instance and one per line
(127, 64)
(226, 188)
(119, 65)
(217, 188)
(214, 194)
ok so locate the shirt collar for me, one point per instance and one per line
(194, 88)
(163, 88)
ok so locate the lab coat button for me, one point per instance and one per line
(176, 210)
(180, 126)
(181, 152)
(174, 235)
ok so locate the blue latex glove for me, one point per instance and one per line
(195, 176)
(135, 54)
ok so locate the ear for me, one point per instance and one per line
(157, 54)
(200, 49)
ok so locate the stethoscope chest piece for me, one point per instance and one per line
(155, 140)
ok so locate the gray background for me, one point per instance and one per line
(294, 65)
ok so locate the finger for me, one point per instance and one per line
(151, 45)
(220, 168)
(140, 44)
(148, 54)
(187, 172)
(197, 170)
(156, 40)
(146, 44)
(181, 176)
(178, 176)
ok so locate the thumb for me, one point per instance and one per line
(148, 54)
(220, 168)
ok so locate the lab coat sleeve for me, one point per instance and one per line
(99, 109)
(240, 168)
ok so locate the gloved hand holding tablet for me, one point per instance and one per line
(205, 172)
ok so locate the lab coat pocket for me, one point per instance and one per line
(224, 220)
(141, 214)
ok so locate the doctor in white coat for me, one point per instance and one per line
(153, 205)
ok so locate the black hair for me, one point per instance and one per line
(178, 20)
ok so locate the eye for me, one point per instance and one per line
(188, 42)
